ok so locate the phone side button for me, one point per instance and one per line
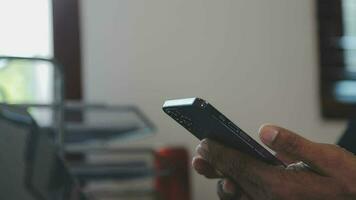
(260, 153)
(245, 141)
(264, 152)
(244, 136)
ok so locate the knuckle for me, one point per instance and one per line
(234, 166)
(213, 152)
(292, 144)
(216, 157)
(335, 154)
(223, 195)
(237, 166)
(225, 160)
(334, 149)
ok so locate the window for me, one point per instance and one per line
(337, 45)
(26, 28)
(26, 31)
(345, 90)
(349, 38)
(39, 28)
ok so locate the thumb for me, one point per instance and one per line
(296, 147)
(284, 141)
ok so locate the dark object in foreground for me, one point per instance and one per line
(204, 121)
(348, 140)
(30, 167)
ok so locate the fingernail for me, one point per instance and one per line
(228, 188)
(196, 166)
(193, 160)
(202, 148)
(268, 134)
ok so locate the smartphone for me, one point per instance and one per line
(204, 121)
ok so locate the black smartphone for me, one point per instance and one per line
(204, 121)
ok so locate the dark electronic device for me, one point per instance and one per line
(30, 167)
(204, 121)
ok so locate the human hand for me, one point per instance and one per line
(248, 178)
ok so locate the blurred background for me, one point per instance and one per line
(289, 63)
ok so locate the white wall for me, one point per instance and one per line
(255, 60)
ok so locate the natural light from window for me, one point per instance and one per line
(26, 31)
(26, 28)
(345, 90)
(349, 39)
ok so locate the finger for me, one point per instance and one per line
(285, 159)
(322, 158)
(204, 168)
(242, 169)
(227, 190)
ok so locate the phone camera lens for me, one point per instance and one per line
(203, 105)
